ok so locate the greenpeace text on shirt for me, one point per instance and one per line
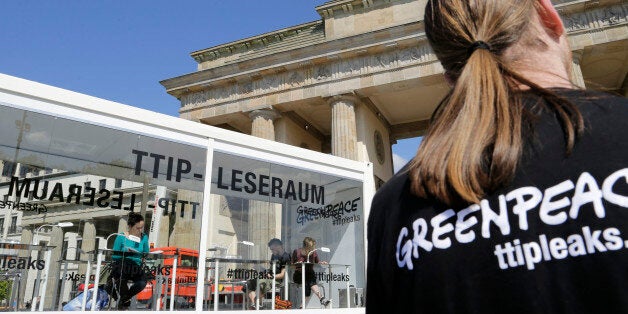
(553, 206)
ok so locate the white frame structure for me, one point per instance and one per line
(36, 97)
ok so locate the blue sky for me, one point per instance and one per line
(120, 50)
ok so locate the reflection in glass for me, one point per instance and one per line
(57, 171)
(257, 201)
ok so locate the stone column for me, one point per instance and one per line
(187, 222)
(88, 243)
(261, 225)
(263, 125)
(123, 225)
(159, 231)
(26, 238)
(56, 240)
(164, 230)
(576, 72)
(343, 126)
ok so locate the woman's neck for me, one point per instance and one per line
(542, 57)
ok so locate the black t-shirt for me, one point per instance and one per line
(555, 240)
(282, 261)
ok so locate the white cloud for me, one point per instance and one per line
(398, 162)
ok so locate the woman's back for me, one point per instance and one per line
(554, 240)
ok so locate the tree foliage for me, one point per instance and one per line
(5, 289)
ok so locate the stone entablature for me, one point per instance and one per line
(581, 17)
(356, 64)
(327, 9)
(357, 55)
(571, 6)
(351, 17)
(311, 33)
(392, 55)
(261, 45)
(306, 34)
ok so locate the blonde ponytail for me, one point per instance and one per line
(474, 141)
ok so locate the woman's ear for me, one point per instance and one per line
(550, 18)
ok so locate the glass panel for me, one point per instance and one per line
(69, 186)
(254, 202)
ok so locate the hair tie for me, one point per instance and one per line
(478, 45)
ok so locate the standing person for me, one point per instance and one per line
(281, 257)
(517, 199)
(300, 256)
(129, 249)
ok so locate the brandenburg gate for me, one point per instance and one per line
(363, 76)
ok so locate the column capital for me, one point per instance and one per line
(349, 98)
(267, 114)
(262, 124)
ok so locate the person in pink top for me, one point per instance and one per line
(301, 255)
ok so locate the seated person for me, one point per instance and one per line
(278, 254)
(301, 256)
(127, 262)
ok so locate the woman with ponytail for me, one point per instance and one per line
(517, 199)
(307, 254)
